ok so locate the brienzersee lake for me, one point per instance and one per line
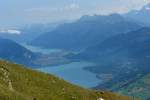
(73, 72)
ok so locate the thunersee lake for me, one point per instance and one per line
(73, 72)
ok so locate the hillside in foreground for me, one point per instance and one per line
(19, 83)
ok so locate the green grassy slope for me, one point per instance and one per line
(19, 83)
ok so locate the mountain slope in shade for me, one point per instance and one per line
(18, 83)
(121, 59)
(85, 32)
(142, 15)
(12, 51)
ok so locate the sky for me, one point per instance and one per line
(20, 12)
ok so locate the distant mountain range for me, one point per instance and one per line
(142, 15)
(85, 32)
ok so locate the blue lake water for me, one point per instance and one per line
(73, 72)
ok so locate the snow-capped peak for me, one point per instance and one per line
(147, 7)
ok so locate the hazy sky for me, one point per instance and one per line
(17, 12)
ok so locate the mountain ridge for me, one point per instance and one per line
(86, 31)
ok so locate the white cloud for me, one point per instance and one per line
(10, 31)
(72, 6)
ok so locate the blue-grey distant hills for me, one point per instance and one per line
(142, 15)
(122, 59)
(10, 50)
(85, 32)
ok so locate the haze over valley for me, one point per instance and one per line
(80, 52)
